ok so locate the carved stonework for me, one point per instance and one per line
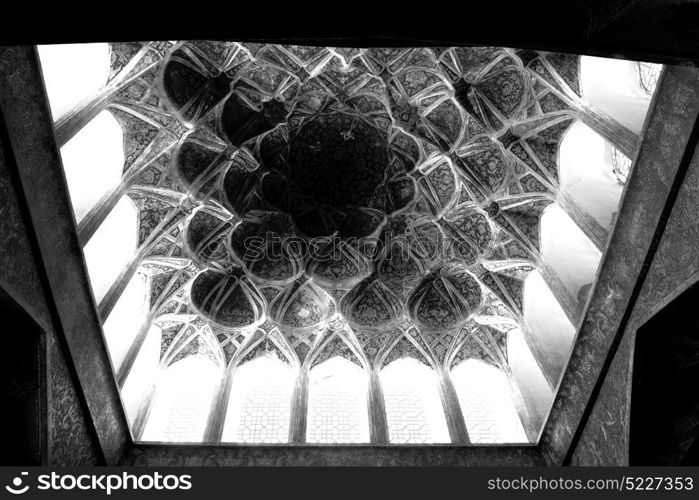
(396, 192)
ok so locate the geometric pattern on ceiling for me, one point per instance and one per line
(312, 202)
(396, 187)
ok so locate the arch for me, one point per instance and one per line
(528, 376)
(484, 397)
(336, 345)
(404, 348)
(112, 246)
(193, 339)
(337, 403)
(591, 172)
(126, 318)
(612, 86)
(552, 331)
(267, 346)
(259, 406)
(182, 401)
(414, 409)
(73, 73)
(142, 376)
(93, 161)
(568, 251)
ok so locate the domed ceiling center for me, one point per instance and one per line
(338, 160)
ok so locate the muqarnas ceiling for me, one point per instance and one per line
(425, 170)
(367, 203)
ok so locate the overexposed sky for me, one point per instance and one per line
(73, 73)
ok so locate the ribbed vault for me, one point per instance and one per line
(372, 204)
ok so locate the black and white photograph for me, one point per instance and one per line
(460, 248)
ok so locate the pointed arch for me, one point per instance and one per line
(259, 405)
(414, 409)
(591, 172)
(527, 374)
(191, 338)
(551, 331)
(470, 347)
(404, 347)
(197, 344)
(337, 403)
(182, 400)
(569, 252)
(485, 401)
(302, 344)
(265, 343)
(337, 345)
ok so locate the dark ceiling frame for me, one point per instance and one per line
(663, 31)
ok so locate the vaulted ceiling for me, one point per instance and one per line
(367, 203)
